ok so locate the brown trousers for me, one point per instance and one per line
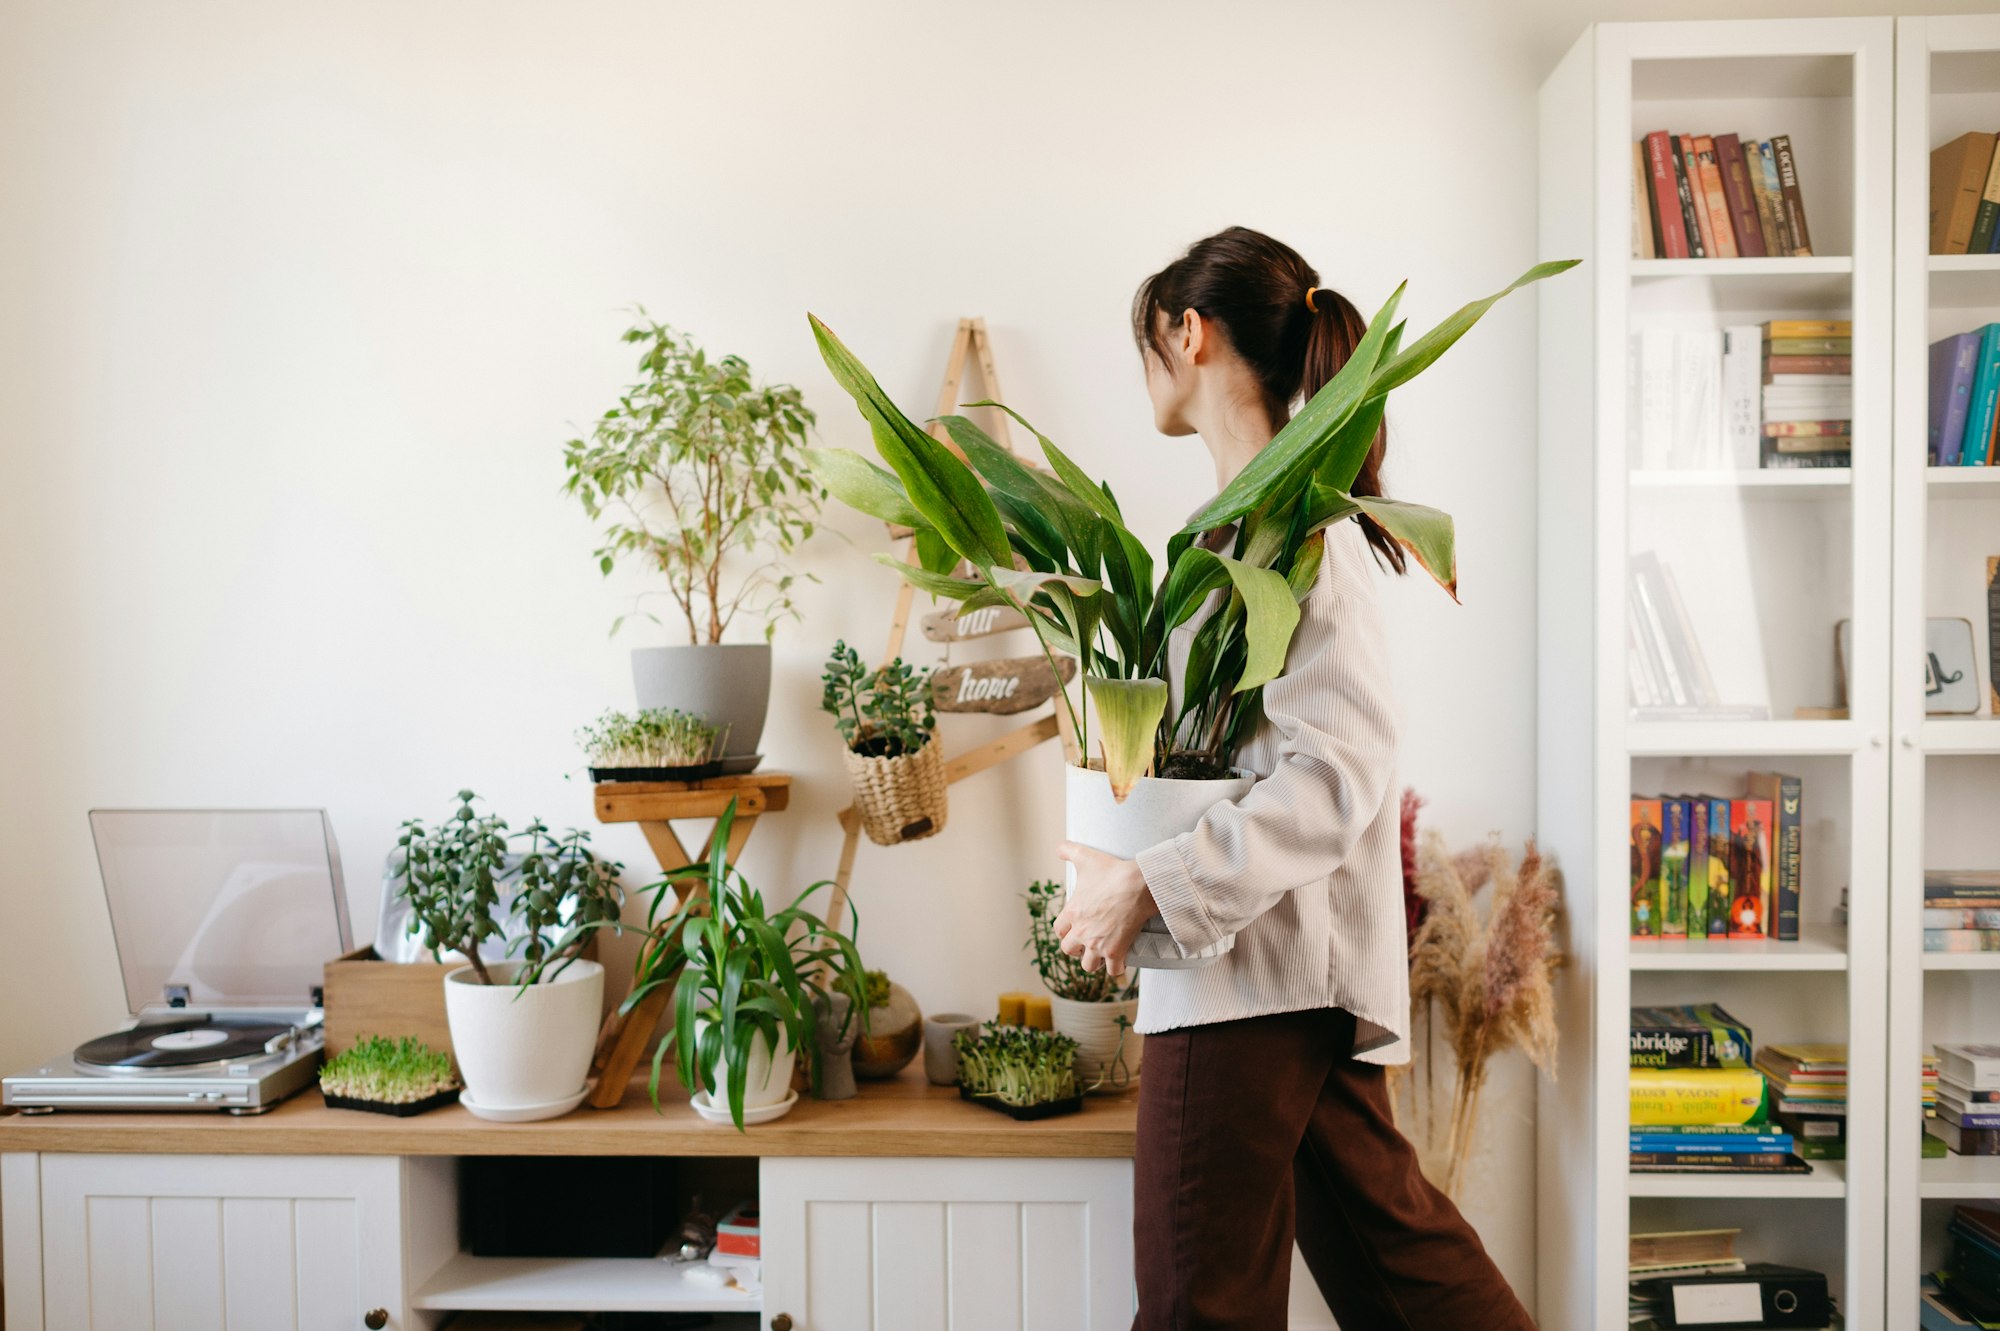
(1244, 1125)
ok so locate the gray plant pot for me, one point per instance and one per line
(729, 684)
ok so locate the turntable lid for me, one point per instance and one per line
(244, 907)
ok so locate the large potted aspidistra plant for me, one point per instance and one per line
(990, 530)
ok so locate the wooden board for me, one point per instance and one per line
(957, 626)
(653, 801)
(1004, 687)
(368, 996)
(906, 1116)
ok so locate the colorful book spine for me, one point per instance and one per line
(1750, 868)
(1742, 201)
(1646, 847)
(1785, 795)
(1795, 203)
(1947, 917)
(1673, 868)
(1666, 196)
(1812, 346)
(1767, 220)
(1697, 1036)
(1983, 224)
(1718, 868)
(1767, 161)
(1985, 397)
(1697, 870)
(1953, 362)
(1719, 224)
(1709, 1143)
(1697, 198)
(1697, 1096)
(1962, 940)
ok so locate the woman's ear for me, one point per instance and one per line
(1194, 336)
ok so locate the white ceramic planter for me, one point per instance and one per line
(1158, 809)
(767, 1081)
(1100, 1063)
(729, 684)
(524, 1049)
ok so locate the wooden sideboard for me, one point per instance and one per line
(900, 1210)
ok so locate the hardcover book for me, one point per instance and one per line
(1974, 1066)
(1784, 794)
(1698, 1035)
(1794, 199)
(1767, 159)
(1719, 224)
(1696, 1096)
(1687, 188)
(1698, 194)
(1697, 874)
(1750, 868)
(1718, 868)
(1953, 361)
(1958, 179)
(1673, 868)
(1742, 200)
(1646, 846)
(1666, 196)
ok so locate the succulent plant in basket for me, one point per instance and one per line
(888, 722)
(383, 1076)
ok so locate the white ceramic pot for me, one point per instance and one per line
(767, 1081)
(1100, 1063)
(1158, 809)
(524, 1048)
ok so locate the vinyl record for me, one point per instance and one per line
(173, 1044)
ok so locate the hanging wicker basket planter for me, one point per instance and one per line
(900, 799)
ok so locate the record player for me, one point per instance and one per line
(223, 919)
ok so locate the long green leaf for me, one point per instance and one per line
(860, 484)
(1085, 490)
(1128, 718)
(940, 485)
(1408, 364)
(1025, 585)
(1270, 614)
(937, 584)
(1426, 533)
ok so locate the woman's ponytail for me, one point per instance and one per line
(1293, 333)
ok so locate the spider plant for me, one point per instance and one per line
(1053, 544)
(739, 972)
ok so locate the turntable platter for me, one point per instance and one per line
(173, 1044)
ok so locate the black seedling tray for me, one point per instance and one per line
(697, 772)
(406, 1110)
(1026, 1113)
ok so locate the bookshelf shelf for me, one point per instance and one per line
(1828, 1179)
(1747, 738)
(1806, 285)
(1962, 961)
(554, 1284)
(1963, 1177)
(1961, 735)
(1813, 481)
(1820, 947)
(1963, 482)
(1960, 281)
(1745, 269)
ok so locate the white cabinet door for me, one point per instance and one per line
(947, 1245)
(221, 1243)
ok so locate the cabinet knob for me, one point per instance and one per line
(782, 1322)
(375, 1319)
(1875, 741)
(1909, 740)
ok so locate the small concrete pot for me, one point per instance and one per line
(940, 1059)
(726, 684)
(836, 1050)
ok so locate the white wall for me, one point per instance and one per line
(297, 304)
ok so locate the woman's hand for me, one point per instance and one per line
(1107, 907)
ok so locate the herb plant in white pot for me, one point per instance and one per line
(748, 987)
(1092, 1008)
(699, 475)
(523, 1029)
(1053, 545)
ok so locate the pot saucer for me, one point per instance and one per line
(522, 1113)
(715, 1113)
(741, 764)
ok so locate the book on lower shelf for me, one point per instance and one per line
(1713, 866)
(1806, 410)
(1963, 398)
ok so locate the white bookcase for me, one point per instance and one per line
(1945, 777)
(1768, 562)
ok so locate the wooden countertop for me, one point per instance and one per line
(903, 1117)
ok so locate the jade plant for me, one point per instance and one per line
(699, 475)
(390, 1072)
(991, 531)
(881, 713)
(654, 737)
(1063, 974)
(1016, 1065)
(452, 874)
(739, 972)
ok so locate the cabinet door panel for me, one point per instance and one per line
(187, 1264)
(329, 1244)
(119, 1235)
(948, 1245)
(257, 1264)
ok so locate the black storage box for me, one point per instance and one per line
(566, 1206)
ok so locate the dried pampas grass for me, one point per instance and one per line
(1483, 982)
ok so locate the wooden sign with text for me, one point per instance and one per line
(956, 625)
(1002, 687)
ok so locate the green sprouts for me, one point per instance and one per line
(881, 713)
(1063, 974)
(655, 737)
(390, 1072)
(1016, 1065)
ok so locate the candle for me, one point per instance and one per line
(1041, 1014)
(1013, 1009)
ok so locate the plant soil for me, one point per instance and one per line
(1194, 767)
(881, 746)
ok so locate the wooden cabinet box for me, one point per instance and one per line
(366, 995)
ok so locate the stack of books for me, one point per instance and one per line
(1697, 1106)
(1808, 399)
(1968, 1099)
(1809, 1095)
(1964, 392)
(1724, 196)
(1962, 910)
(1965, 196)
(1696, 1252)
(1706, 866)
(1968, 1288)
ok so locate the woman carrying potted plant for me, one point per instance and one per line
(1259, 658)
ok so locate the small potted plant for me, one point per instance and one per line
(657, 744)
(1018, 1070)
(895, 1029)
(1092, 1008)
(382, 1076)
(698, 473)
(888, 722)
(749, 985)
(523, 1029)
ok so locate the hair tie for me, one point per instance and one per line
(1309, 300)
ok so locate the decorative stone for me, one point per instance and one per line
(895, 1035)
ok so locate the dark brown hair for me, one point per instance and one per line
(1254, 288)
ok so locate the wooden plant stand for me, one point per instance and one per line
(655, 805)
